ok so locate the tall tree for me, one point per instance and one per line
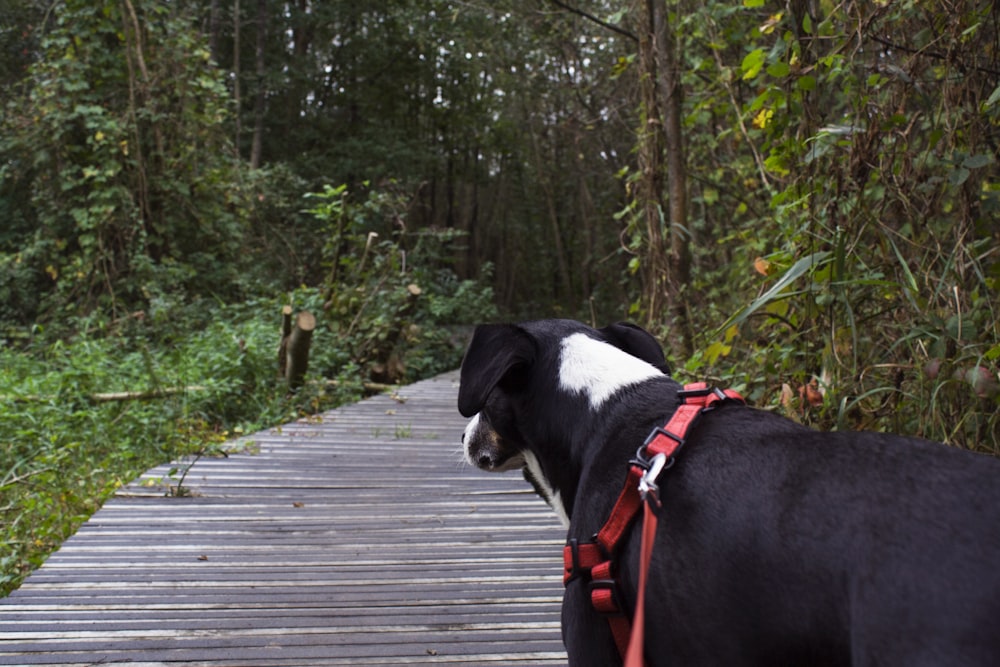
(665, 256)
(260, 97)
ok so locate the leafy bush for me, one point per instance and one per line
(845, 178)
(116, 166)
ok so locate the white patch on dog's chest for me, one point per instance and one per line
(551, 495)
(598, 369)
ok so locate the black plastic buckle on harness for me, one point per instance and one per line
(645, 462)
(706, 391)
(617, 599)
(650, 485)
(576, 570)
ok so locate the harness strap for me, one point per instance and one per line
(596, 558)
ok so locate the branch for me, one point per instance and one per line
(936, 55)
(10, 481)
(600, 22)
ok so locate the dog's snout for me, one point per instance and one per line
(485, 449)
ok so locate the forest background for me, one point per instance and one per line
(799, 198)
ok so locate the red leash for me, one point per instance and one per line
(597, 559)
(633, 655)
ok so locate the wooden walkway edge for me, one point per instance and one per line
(356, 538)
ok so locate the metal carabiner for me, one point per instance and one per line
(647, 483)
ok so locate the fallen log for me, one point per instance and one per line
(374, 387)
(113, 396)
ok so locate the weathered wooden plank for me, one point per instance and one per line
(355, 538)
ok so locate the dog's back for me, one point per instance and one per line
(848, 548)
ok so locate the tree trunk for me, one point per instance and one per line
(213, 29)
(564, 286)
(236, 73)
(286, 331)
(671, 99)
(650, 189)
(297, 352)
(261, 97)
(662, 158)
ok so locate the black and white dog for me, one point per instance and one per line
(778, 545)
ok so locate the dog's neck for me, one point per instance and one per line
(592, 375)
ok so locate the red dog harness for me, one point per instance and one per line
(596, 559)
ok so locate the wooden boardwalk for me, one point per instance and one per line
(358, 538)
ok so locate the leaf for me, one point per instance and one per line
(775, 164)
(763, 118)
(807, 24)
(752, 64)
(762, 266)
(800, 267)
(716, 350)
(977, 161)
(811, 393)
(958, 176)
(911, 281)
(621, 65)
(779, 69)
(787, 397)
(994, 97)
(751, 4)
(772, 22)
(616, 18)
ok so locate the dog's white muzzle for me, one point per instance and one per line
(484, 448)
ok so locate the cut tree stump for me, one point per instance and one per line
(296, 346)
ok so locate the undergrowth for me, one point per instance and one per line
(65, 448)
(390, 310)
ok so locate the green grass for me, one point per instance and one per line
(62, 454)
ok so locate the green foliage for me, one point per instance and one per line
(115, 165)
(389, 297)
(850, 136)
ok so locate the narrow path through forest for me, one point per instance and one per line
(355, 538)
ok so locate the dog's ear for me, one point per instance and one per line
(636, 341)
(495, 350)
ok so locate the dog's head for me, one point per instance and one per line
(497, 367)
(528, 387)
